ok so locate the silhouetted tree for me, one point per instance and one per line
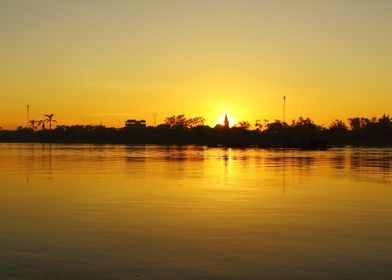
(49, 119)
(385, 121)
(338, 132)
(355, 123)
(275, 127)
(244, 124)
(258, 125)
(358, 123)
(338, 125)
(194, 122)
(34, 124)
(180, 121)
(40, 123)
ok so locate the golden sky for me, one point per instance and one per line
(105, 61)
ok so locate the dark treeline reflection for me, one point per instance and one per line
(51, 157)
(302, 133)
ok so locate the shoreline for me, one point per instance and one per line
(271, 147)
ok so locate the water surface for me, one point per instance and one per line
(153, 212)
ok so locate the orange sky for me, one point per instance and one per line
(99, 61)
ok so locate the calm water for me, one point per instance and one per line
(125, 212)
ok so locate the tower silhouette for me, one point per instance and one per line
(155, 118)
(28, 116)
(226, 123)
(284, 108)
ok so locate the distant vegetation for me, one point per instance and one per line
(301, 133)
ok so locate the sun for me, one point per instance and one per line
(221, 120)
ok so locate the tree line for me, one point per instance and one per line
(178, 129)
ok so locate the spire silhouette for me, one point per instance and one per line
(226, 123)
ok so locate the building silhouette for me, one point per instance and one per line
(226, 123)
(135, 123)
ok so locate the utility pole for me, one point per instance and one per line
(284, 108)
(28, 116)
(155, 118)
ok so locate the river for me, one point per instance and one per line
(172, 212)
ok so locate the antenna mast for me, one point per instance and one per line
(284, 108)
(28, 116)
(155, 118)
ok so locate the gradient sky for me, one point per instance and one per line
(106, 61)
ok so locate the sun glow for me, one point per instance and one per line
(221, 120)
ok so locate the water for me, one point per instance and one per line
(151, 212)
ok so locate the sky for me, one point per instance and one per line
(92, 61)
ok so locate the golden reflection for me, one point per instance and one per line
(155, 206)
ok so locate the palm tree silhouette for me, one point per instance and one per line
(49, 119)
(34, 124)
(40, 123)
